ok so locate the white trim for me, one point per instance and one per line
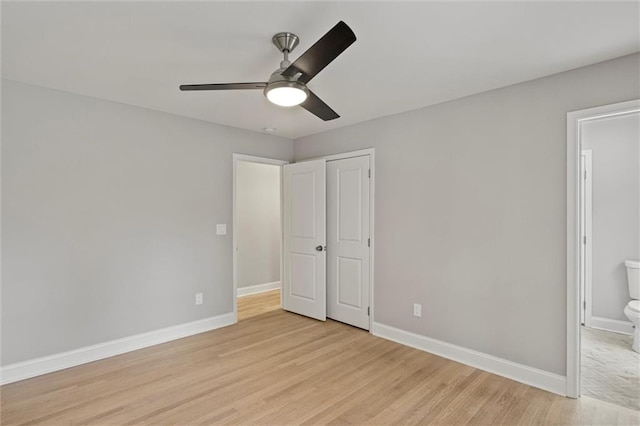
(574, 122)
(371, 152)
(258, 288)
(48, 364)
(253, 159)
(587, 269)
(350, 154)
(522, 373)
(615, 326)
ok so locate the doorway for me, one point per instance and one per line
(328, 238)
(346, 210)
(603, 226)
(257, 223)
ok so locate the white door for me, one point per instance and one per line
(348, 252)
(304, 196)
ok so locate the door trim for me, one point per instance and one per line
(234, 247)
(371, 152)
(575, 119)
(587, 246)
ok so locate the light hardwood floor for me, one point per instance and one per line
(278, 368)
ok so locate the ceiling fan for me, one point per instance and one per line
(287, 85)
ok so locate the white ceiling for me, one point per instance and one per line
(407, 56)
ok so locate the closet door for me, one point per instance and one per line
(304, 272)
(348, 252)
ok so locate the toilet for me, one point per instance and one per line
(632, 310)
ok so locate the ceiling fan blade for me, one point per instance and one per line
(317, 107)
(325, 50)
(224, 86)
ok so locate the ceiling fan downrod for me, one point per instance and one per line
(285, 43)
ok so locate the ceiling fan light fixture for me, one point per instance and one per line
(286, 93)
(287, 85)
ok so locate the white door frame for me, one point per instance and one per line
(575, 120)
(586, 205)
(371, 152)
(252, 159)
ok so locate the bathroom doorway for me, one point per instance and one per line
(257, 226)
(603, 233)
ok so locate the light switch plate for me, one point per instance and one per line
(417, 310)
(221, 229)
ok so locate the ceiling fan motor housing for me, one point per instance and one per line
(278, 80)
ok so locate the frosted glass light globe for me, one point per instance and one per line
(286, 96)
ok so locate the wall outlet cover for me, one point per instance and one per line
(199, 299)
(221, 229)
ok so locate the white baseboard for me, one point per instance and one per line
(38, 366)
(522, 373)
(616, 326)
(259, 288)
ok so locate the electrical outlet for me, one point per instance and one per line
(417, 310)
(199, 299)
(221, 229)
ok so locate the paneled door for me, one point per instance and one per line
(304, 263)
(348, 251)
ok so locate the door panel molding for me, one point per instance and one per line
(305, 259)
(348, 233)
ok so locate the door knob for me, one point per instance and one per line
(319, 248)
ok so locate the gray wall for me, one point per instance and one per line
(108, 219)
(470, 212)
(615, 146)
(258, 223)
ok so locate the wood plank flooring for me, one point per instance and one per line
(278, 368)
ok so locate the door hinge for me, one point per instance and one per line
(584, 240)
(585, 174)
(368, 242)
(368, 311)
(584, 305)
(369, 173)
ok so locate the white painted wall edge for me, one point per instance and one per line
(258, 288)
(522, 373)
(48, 364)
(616, 326)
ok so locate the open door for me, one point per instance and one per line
(349, 256)
(304, 272)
